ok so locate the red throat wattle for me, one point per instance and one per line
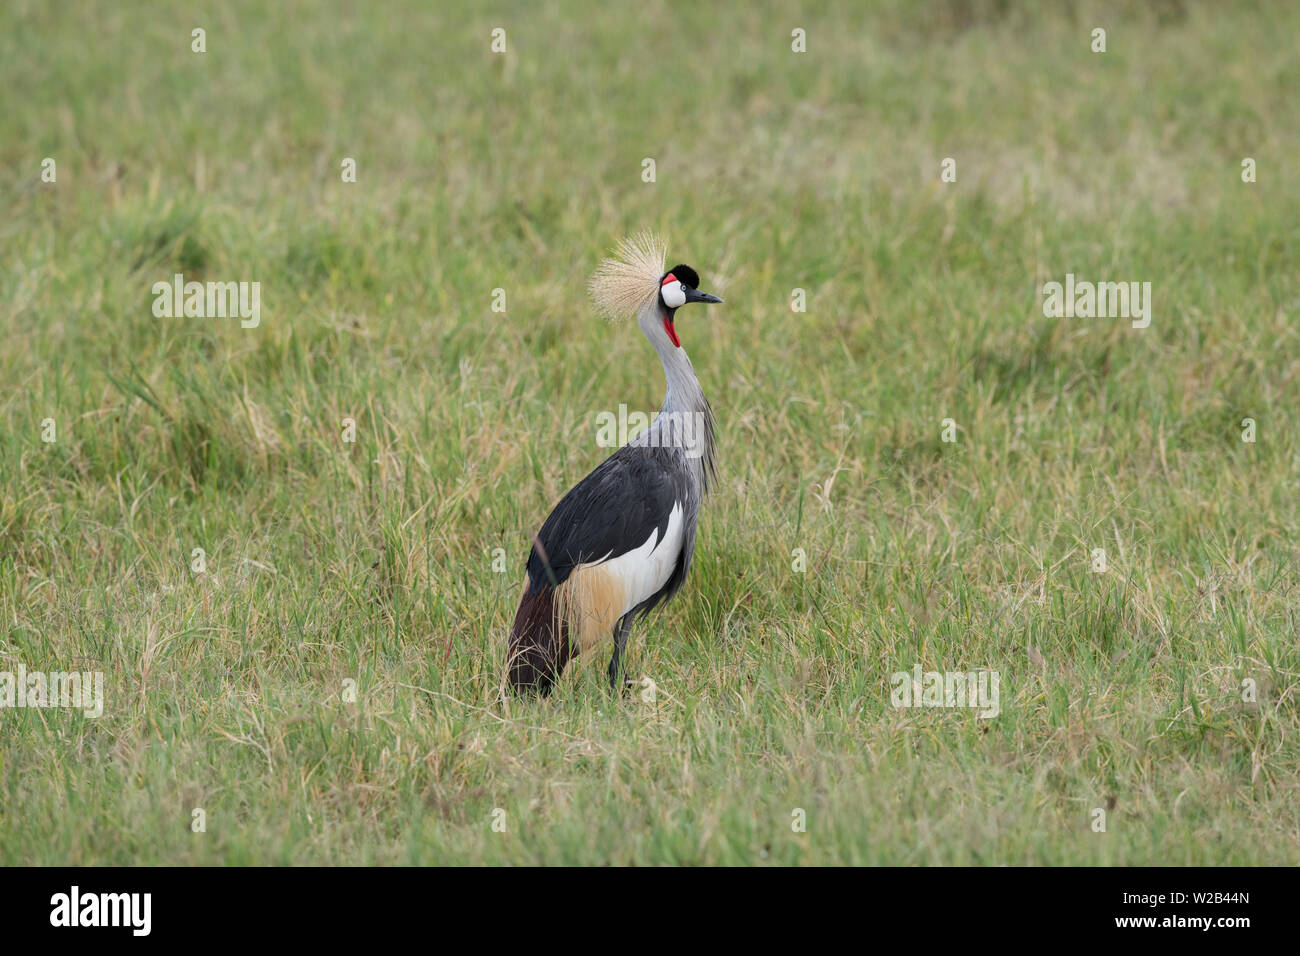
(672, 333)
(668, 317)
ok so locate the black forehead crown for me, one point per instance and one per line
(686, 276)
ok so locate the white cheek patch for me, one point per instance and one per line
(673, 295)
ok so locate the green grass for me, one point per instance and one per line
(373, 562)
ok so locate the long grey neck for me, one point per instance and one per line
(684, 394)
(685, 421)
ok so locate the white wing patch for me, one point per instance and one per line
(645, 570)
(598, 593)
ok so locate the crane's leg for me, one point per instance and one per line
(621, 631)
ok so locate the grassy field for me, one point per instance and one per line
(327, 562)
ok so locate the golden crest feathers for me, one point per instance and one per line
(623, 282)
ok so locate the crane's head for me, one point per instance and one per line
(633, 281)
(676, 288)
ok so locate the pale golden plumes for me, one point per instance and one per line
(623, 282)
(590, 602)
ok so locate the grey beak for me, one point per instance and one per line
(695, 295)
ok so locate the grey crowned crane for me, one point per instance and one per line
(620, 542)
